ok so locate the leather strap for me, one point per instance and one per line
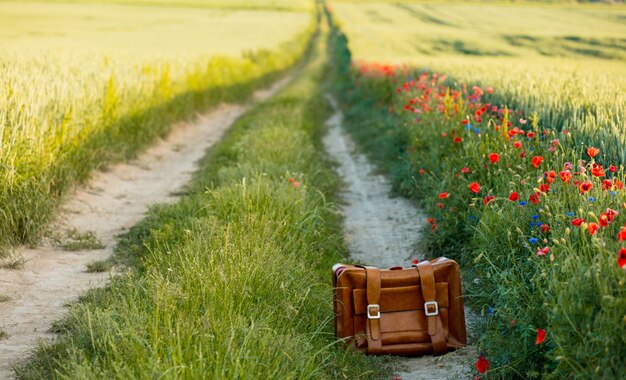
(374, 342)
(435, 326)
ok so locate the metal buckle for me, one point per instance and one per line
(429, 303)
(369, 311)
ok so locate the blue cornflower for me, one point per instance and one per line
(477, 130)
(613, 193)
(473, 217)
(591, 199)
(532, 224)
(468, 126)
(570, 213)
(533, 240)
(522, 203)
(490, 310)
(535, 216)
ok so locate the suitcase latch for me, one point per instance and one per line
(426, 310)
(376, 308)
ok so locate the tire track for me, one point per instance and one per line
(383, 231)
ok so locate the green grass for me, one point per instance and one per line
(77, 241)
(99, 266)
(87, 84)
(233, 281)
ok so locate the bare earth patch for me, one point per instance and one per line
(111, 203)
(383, 231)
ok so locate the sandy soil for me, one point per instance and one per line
(108, 205)
(383, 231)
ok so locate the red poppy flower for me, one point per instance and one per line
(597, 170)
(621, 258)
(514, 196)
(592, 152)
(543, 251)
(541, 336)
(603, 220)
(474, 187)
(464, 121)
(593, 228)
(611, 214)
(530, 135)
(517, 144)
(490, 90)
(550, 176)
(577, 222)
(431, 221)
(621, 236)
(457, 140)
(617, 184)
(296, 184)
(523, 154)
(440, 205)
(465, 170)
(544, 188)
(566, 176)
(488, 199)
(537, 160)
(534, 198)
(585, 186)
(612, 168)
(482, 365)
(607, 184)
(422, 171)
(545, 227)
(494, 157)
(443, 195)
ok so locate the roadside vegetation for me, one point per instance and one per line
(84, 85)
(531, 210)
(232, 281)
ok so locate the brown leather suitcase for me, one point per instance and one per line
(412, 311)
